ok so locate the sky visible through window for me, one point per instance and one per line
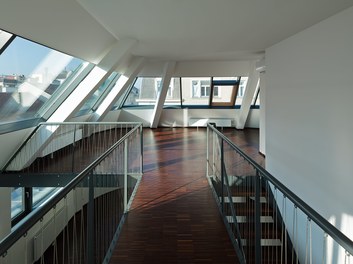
(29, 75)
(22, 54)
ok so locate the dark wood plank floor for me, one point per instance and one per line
(174, 218)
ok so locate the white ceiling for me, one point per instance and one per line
(179, 30)
(208, 29)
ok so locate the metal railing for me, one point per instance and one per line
(266, 221)
(81, 222)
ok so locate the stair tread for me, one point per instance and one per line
(265, 242)
(243, 219)
(243, 199)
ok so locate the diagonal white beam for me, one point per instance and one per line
(253, 82)
(118, 90)
(91, 83)
(167, 75)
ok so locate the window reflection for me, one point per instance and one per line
(96, 98)
(17, 201)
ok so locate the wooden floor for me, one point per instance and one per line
(174, 218)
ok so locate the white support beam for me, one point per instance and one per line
(118, 90)
(162, 94)
(91, 83)
(253, 82)
(117, 54)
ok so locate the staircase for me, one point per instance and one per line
(273, 233)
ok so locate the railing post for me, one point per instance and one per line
(222, 175)
(73, 151)
(257, 219)
(207, 147)
(125, 174)
(141, 142)
(90, 221)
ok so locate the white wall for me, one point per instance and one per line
(180, 117)
(309, 92)
(199, 68)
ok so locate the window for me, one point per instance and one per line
(215, 91)
(4, 39)
(143, 92)
(201, 88)
(96, 98)
(39, 194)
(256, 98)
(173, 94)
(29, 75)
(17, 201)
(241, 90)
(195, 90)
(224, 91)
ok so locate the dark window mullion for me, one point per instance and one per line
(3, 48)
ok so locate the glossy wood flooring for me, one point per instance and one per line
(174, 218)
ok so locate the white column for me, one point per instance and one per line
(167, 75)
(248, 96)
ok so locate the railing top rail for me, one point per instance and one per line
(326, 226)
(36, 215)
(86, 123)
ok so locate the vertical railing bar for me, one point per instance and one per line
(141, 149)
(207, 149)
(282, 231)
(73, 151)
(90, 220)
(55, 253)
(222, 175)
(310, 244)
(324, 248)
(125, 174)
(257, 219)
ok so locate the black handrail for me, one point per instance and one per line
(325, 225)
(36, 215)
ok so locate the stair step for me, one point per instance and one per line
(243, 199)
(243, 219)
(266, 242)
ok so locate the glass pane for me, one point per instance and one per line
(4, 37)
(88, 105)
(143, 92)
(29, 75)
(41, 193)
(241, 90)
(222, 94)
(196, 91)
(173, 94)
(17, 201)
(256, 98)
